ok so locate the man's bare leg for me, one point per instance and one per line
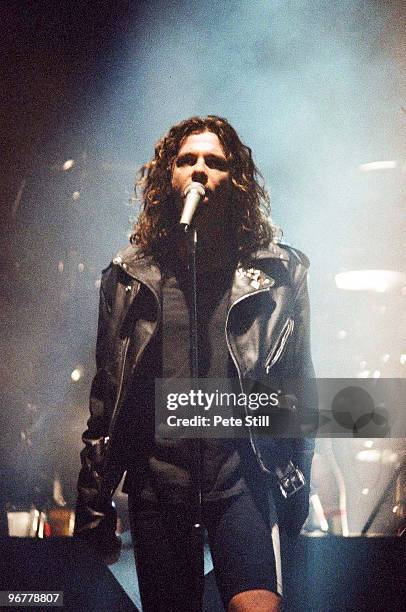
(255, 601)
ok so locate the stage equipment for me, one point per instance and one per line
(26, 524)
(197, 529)
(61, 564)
(397, 484)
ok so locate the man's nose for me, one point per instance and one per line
(199, 173)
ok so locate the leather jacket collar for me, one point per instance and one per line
(247, 280)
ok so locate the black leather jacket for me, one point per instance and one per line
(267, 333)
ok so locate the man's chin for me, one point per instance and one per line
(213, 231)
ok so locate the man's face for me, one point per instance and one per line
(201, 159)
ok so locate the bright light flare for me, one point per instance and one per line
(369, 456)
(77, 373)
(369, 280)
(68, 164)
(373, 455)
(378, 165)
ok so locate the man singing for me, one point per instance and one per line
(253, 325)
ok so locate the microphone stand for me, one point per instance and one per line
(197, 526)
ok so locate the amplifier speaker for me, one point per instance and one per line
(61, 564)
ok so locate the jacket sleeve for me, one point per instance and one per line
(296, 509)
(304, 374)
(96, 517)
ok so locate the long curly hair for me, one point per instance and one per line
(250, 224)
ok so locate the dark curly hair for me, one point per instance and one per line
(249, 216)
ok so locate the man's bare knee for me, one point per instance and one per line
(257, 600)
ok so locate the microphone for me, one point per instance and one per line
(194, 193)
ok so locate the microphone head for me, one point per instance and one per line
(193, 195)
(198, 187)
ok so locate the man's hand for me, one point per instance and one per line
(106, 546)
(293, 511)
(96, 526)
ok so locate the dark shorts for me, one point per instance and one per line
(244, 548)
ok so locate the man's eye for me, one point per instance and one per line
(217, 163)
(188, 160)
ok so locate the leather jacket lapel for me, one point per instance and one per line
(258, 312)
(255, 325)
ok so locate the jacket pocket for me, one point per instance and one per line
(276, 351)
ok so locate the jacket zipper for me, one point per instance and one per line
(274, 356)
(120, 388)
(254, 448)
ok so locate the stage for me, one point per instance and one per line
(322, 574)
